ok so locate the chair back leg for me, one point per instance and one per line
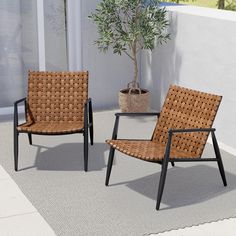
(219, 159)
(109, 165)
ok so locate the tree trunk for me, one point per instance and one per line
(135, 70)
(221, 4)
(134, 52)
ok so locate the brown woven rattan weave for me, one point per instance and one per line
(57, 103)
(183, 108)
(180, 134)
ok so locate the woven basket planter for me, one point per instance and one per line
(134, 101)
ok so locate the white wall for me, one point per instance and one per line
(202, 56)
(108, 73)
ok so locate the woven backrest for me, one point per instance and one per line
(185, 108)
(56, 96)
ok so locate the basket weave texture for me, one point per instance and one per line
(55, 102)
(134, 102)
(183, 108)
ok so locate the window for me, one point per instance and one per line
(19, 44)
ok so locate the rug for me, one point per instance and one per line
(77, 203)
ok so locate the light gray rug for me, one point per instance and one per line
(77, 203)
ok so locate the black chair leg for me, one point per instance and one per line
(109, 165)
(91, 122)
(161, 183)
(86, 150)
(164, 171)
(91, 133)
(30, 138)
(222, 172)
(16, 144)
(219, 159)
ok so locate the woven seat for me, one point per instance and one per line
(55, 127)
(181, 132)
(57, 103)
(147, 150)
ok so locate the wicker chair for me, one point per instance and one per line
(180, 134)
(57, 104)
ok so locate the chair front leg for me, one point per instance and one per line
(112, 151)
(85, 136)
(109, 165)
(16, 137)
(218, 157)
(163, 172)
(15, 131)
(16, 145)
(161, 183)
(86, 150)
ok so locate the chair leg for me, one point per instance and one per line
(109, 165)
(86, 150)
(91, 122)
(16, 144)
(30, 138)
(161, 183)
(219, 159)
(222, 172)
(91, 133)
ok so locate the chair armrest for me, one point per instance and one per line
(172, 131)
(133, 114)
(20, 100)
(138, 114)
(16, 110)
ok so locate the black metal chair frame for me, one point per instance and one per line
(166, 158)
(88, 128)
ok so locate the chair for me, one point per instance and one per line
(57, 104)
(180, 134)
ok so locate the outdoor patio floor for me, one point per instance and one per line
(73, 202)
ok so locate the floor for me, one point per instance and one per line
(19, 217)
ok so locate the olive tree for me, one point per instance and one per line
(128, 26)
(178, 1)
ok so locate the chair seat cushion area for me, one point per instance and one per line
(53, 127)
(147, 150)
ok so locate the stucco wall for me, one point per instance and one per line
(201, 55)
(108, 72)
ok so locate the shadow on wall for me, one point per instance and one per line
(159, 72)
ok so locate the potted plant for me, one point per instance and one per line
(128, 26)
